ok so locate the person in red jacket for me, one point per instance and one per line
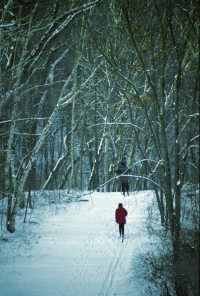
(120, 215)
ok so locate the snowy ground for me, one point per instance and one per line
(73, 249)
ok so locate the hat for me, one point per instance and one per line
(120, 204)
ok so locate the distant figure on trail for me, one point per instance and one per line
(120, 215)
(124, 179)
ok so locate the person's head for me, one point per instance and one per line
(120, 204)
(123, 163)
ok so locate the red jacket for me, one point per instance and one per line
(120, 215)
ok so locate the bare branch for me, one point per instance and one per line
(7, 25)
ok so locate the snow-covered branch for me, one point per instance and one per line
(7, 25)
(133, 176)
(120, 123)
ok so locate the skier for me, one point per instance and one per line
(120, 215)
(124, 179)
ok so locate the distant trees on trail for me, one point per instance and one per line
(87, 84)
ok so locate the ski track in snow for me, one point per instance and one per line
(109, 283)
(75, 250)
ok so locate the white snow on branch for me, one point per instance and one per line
(120, 123)
(134, 176)
(7, 25)
(155, 168)
(51, 74)
(64, 99)
(194, 138)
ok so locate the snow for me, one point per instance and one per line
(72, 247)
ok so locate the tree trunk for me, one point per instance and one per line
(72, 147)
(96, 149)
(8, 185)
(106, 164)
(177, 192)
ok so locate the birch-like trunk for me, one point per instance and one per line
(106, 164)
(72, 147)
(106, 141)
(8, 185)
(79, 176)
(96, 148)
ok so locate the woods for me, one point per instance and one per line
(87, 84)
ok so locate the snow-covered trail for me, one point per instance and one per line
(74, 249)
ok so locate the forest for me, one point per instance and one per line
(85, 85)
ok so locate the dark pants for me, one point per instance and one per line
(125, 187)
(121, 229)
